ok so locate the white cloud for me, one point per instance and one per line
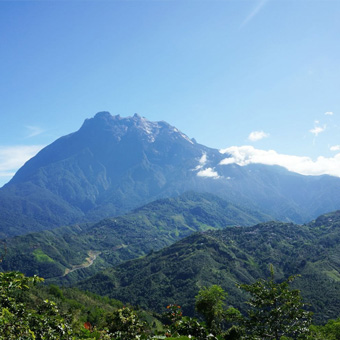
(317, 130)
(203, 159)
(329, 113)
(13, 157)
(335, 148)
(202, 162)
(247, 154)
(34, 131)
(209, 172)
(257, 135)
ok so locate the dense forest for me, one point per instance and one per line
(233, 255)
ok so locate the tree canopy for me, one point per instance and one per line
(276, 310)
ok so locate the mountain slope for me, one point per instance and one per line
(113, 164)
(51, 254)
(108, 167)
(230, 256)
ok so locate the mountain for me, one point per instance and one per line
(229, 256)
(113, 164)
(82, 250)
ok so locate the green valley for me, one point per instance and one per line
(59, 254)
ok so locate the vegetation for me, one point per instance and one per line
(276, 312)
(18, 320)
(210, 303)
(233, 255)
(53, 253)
(223, 257)
(196, 272)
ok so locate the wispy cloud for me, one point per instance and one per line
(205, 172)
(335, 148)
(254, 12)
(247, 154)
(317, 130)
(13, 157)
(257, 135)
(34, 131)
(202, 162)
(329, 113)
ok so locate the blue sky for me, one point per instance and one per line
(259, 79)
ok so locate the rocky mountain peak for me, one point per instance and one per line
(104, 122)
(103, 115)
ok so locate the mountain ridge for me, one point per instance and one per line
(112, 165)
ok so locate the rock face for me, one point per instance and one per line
(113, 164)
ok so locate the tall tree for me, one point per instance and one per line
(210, 303)
(276, 310)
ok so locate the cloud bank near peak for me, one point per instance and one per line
(247, 154)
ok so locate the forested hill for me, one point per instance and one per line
(230, 256)
(81, 250)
